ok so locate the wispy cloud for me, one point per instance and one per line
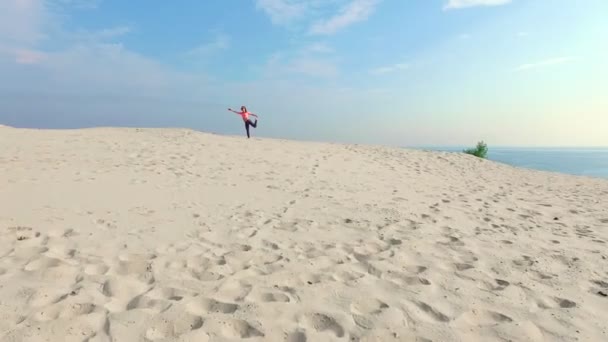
(23, 22)
(282, 11)
(315, 67)
(99, 35)
(389, 69)
(355, 11)
(220, 42)
(327, 16)
(26, 23)
(26, 56)
(113, 32)
(456, 4)
(80, 61)
(545, 63)
(316, 60)
(81, 4)
(318, 48)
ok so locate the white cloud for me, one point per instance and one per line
(455, 4)
(113, 32)
(80, 4)
(221, 42)
(80, 61)
(355, 11)
(106, 34)
(545, 63)
(280, 67)
(389, 69)
(282, 11)
(326, 16)
(23, 22)
(26, 24)
(319, 48)
(26, 56)
(316, 60)
(313, 67)
(86, 82)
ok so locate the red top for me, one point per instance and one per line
(244, 115)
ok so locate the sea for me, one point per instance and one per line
(591, 162)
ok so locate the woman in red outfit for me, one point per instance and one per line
(245, 115)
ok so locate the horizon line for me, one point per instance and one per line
(509, 146)
(423, 146)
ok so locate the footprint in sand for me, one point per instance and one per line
(170, 293)
(555, 302)
(206, 275)
(347, 277)
(565, 303)
(73, 310)
(296, 336)
(136, 265)
(274, 297)
(600, 283)
(481, 318)
(61, 233)
(232, 328)
(270, 245)
(415, 269)
(148, 304)
(365, 311)
(171, 329)
(455, 241)
(47, 314)
(96, 269)
(310, 278)
(363, 322)
(404, 280)
(61, 251)
(502, 284)
(202, 306)
(368, 306)
(45, 296)
(430, 312)
(24, 233)
(524, 261)
(394, 242)
(233, 291)
(122, 292)
(322, 323)
(42, 263)
(463, 267)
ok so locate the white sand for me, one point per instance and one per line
(173, 235)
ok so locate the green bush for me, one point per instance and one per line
(481, 150)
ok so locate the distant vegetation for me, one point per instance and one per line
(481, 150)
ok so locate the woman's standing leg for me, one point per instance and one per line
(247, 128)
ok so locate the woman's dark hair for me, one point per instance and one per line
(243, 108)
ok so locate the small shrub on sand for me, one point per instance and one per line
(481, 150)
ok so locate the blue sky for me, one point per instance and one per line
(397, 72)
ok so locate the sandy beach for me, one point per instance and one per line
(124, 234)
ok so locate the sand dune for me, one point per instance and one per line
(172, 235)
